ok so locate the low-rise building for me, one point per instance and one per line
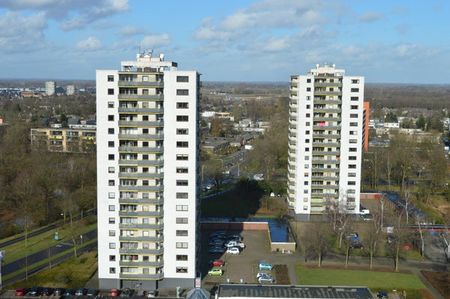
(70, 90)
(215, 144)
(74, 139)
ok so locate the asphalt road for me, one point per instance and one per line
(44, 229)
(44, 254)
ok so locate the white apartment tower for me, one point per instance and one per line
(147, 174)
(50, 88)
(325, 141)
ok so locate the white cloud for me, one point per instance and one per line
(90, 44)
(22, 33)
(370, 16)
(131, 30)
(155, 41)
(73, 14)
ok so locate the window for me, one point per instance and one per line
(145, 183)
(182, 105)
(182, 182)
(352, 158)
(308, 88)
(182, 92)
(308, 98)
(353, 149)
(353, 140)
(112, 245)
(111, 195)
(112, 270)
(305, 191)
(182, 118)
(351, 183)
(352, 166)
(354, 107)
(182, 144)
(183, 245)
(112, 233)
(306, 166)
(110, 104)
(182, 131)
(111, 91)
(306, 140)
(110, 143)
(353, 115)
(110, 117)
(308, 80)
(145, 117)
(355, 81)
(110, 130)
(182, 195)
(182, 257)
(181, 270)
(354, 98)
(112, 220)
(305, 183)
(182, 157)
(182, 79)
(110, 78)
(111, 157)
(308, 106)
(182, 233)
(182, 220)
(307, 132)
(351, 174)
(111, 208)
(182, 208)
(182, 170)
(307, 149)
(308, 114)
(111, 182)
(111, 169)
(353, 124)
(112, 258)
(354, 89)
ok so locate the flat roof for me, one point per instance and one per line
(300, 291)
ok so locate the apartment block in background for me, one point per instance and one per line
(50, 88)
(147, 174)
(325, 141)
(74, 139)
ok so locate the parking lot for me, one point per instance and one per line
(243, 266)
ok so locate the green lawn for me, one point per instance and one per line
(371, 279)
(44, 240)
(73, 273)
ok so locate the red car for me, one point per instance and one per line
(114, 293)
(21, 292)
(217, 263)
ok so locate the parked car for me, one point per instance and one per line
(35, 292)
(21, 292)
(59, 292)
(216, 271)
(80, 292)
(127, 293)
(47, 291)
(114, 293)
(234, 244)
(259, 274)
(92, 293)
(217, 263)
(150, 294)
(266, 278)
(233, 250)
(235, 237)
(382, 294)
(68, 293)
(265, 266)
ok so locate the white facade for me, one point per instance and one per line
(50, 88)
(325, 140)
(147, 155)
(70, 90)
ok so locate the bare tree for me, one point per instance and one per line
(373, 234)
(317, 241)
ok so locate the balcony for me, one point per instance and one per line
(155, 201)
(326, 118)
(140, 149)
(140, 264)
(324, 161)
(141, 213)
(140, 110)
(142, 136)
(145, 175)
(327, 187)
(124, 123)
(154, 84)
(331, 136)
(325, 144)
(141, 239)
(141, 225)
(327, 127)
(142, 276)
(141, 162)
(142, 188)
(328, 84)
(326, 153)
(327, 93)
(323, 101)
(141, 251)
(141, 97)
(327, 110)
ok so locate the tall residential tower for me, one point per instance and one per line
(147, 174)
(325, 141)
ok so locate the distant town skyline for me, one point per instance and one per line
(267, 40)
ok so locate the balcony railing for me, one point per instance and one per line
(156, 201)
(142, 276)
(144, 175)
(141, 251)
(142, 188)
(142, 213)
(140, 264)
(142, 136)
(141, 238)
(125, 123)
(140, 149)
(142, 97)
(141, 162)
(140, 110)
(125, 83)
(141, 225)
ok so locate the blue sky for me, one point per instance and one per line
(265, 40)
